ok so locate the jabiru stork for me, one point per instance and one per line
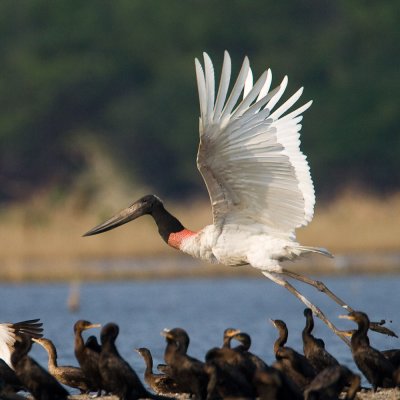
(257, 178)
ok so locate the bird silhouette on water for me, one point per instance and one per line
(289, 361)
(118, 377)
(314, 348)
(378, 370)
(186, 371)
(331, 382)
(88, 354)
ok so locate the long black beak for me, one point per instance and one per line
(128, 214)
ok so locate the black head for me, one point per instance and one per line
(81, 325)
(279, 324)
(144, 352)
(230, 332)
(357, 316)
(93, 344)
(307, 312)
(109, 333)
(244, 339)
(178, 336)
(145, 205)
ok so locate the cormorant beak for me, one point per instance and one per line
(344, 316)
(166, 334)
(128, 214)
(272, 322)
(233, 332)
(92, 326)
(348, 333)
(35, 340)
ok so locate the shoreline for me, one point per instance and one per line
(183, 266)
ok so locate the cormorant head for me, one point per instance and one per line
(144, 352)
(143, 206)
(244, 339)
(82, 325)
(109, 332)
(278, 324)
(356, 316)
(230, 332)
(307, 312)
(177, 335)
(47, 344)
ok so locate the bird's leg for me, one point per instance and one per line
(317, 312)
(319, 285)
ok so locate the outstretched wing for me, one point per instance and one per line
(249, 154)
(9, 333)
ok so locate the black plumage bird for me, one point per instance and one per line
(230, 370)
(314, 348)
(378, 370)
(159, 383)
(188, 372)
(9, 382)
(273, 384)
(229, 333)
(289, 361)
(244, 348)
(331, 382)
(117, 375)
(87, 354)
(36, 379)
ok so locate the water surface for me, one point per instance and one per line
(204, 307)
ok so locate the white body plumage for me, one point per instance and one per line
(258, 179)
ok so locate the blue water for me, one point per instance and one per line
(204, 307)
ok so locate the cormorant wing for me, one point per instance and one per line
(249, 155)
(9, 332)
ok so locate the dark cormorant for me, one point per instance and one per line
(117, 375)
(93, 344)
(36, 379)
(372, 363)
(330, 382)
(393, 355)
(159, 383)
(289, 361)
(87, 355)
(314, 349)
(226, 381)
(9, 382)
(9, 331)
(272, 384)
(231, 370)
(188, 372)
(67, 375)
(228, 334)
(245, 342)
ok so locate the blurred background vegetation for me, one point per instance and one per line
(99, 106)
(82, 80)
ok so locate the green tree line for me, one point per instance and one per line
(122, 73)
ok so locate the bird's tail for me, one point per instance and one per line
(318, 250)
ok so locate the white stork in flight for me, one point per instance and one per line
(258, 181)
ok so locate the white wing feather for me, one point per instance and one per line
(249, 156)
(7, 340)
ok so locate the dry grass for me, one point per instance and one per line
(44, 233)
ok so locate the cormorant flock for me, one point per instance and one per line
(231, 371)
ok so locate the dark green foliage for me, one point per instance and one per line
(123, 71)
